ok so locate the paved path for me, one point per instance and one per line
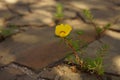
(36, 47)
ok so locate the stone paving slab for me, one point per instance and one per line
(112, 58)
(89, 32)
(35, 44)
(39, 17)
(37, 47)
(32, 47)
(60, 72)
(42, 12)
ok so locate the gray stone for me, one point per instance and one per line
(111, 59)
(17, 1)
(63, 72)
(24, 77)
(69, 14)
(115, 78)
(104, 16)
(48, 73)
(104, 12)
(43, 3)
(5, 14)
(6, 76)
(39, 17)
(20, 8)
(89, 32)
(9, 73)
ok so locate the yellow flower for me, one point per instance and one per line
(63, 30)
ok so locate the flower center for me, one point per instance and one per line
(62, 32)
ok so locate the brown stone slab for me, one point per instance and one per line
(42, 55)
(35, 48)
(38, 47)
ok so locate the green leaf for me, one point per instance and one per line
(101, 71)
(71, 58)
(88, 14)
(98, 61)
(99, 30)
(75, 44)
(59, 11)
(107, 26)
(6, 32)
(80, 32)
(59, 8)
(89, 63)
(94, 64)
(102, 50)
(9, 30)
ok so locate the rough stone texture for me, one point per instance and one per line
(112, 59)
(88, 30)
(10, 73)
(40, 17)
(35, 45)
(20, 7)
(42, 11)
(35, 13)
(104, 12)
(36, 48)
(61, 72)
(5, 75)
(64, 72)
(5, 14)
(69, 14)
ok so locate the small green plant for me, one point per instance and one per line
(80, 32)
(102, 50)
(59, 11)
(88, 14)
(94, 65)
(99, 30)
(59, 15)
(5, 32)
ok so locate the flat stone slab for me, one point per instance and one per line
(36, 48)
(42, 11)
(112, 58)
(39, 17)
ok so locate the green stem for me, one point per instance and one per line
(74, 51)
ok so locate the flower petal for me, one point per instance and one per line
(63, 28)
